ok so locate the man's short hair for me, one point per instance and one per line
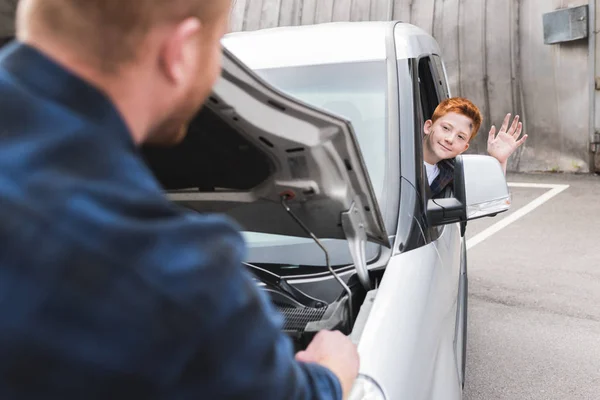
(462, 106)
(110, 31)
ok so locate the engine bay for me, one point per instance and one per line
(304, 316)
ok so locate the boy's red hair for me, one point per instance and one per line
(462, 106)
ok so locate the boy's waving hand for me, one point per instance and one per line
(502, 145)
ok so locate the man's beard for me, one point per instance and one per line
(168, 134)
(172, 130)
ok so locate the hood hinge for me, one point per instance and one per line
(354, 229)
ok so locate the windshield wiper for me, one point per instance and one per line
(287, 208)
(279, 284)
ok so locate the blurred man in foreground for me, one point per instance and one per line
(107, 289)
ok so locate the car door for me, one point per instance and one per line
(439, 70)
(408, 343)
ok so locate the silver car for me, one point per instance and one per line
(311, 141)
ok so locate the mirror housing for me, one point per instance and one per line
(480, 190)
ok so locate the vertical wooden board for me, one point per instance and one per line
(538, 75)
(515, 44)
(270, 14)
(572, 102)
(499, 62)
(554, 88)
(237, 16)
(471, 55)
(341, 10)
(402, 10)
(422, 14)
(253, 15)
(517, 104)
(571, 66)
(309, 8)
(290, 11)
(324, 11)
(449, 42)
(361, 10)
(380, 10)
(596, 113)
(438, 19)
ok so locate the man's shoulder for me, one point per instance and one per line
(86, 184)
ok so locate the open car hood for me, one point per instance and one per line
(251, 145)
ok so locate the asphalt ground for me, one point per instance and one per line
(534, 293)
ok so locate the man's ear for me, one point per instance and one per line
(178, 54)
(427, 127)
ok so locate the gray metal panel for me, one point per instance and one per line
(566, 25)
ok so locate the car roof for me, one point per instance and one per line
(328, 43)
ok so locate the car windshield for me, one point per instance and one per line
(357, 92)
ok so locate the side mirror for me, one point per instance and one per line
(480, 190)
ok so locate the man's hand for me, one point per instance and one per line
(336, 352)
(506, 142)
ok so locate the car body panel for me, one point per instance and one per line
(413, 42)
(407, 344)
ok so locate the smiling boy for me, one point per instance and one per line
(454, 124)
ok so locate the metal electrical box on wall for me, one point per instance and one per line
(566, 25)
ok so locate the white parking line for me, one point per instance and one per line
(521, 212)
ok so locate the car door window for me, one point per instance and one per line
(430, 95)
(428, 88)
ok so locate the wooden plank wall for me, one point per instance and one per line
(494, 54)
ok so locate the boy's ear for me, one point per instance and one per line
(466, 148)
(427, 127)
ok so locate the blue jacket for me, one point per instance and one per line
(107, 290)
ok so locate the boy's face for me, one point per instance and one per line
(448, 137)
